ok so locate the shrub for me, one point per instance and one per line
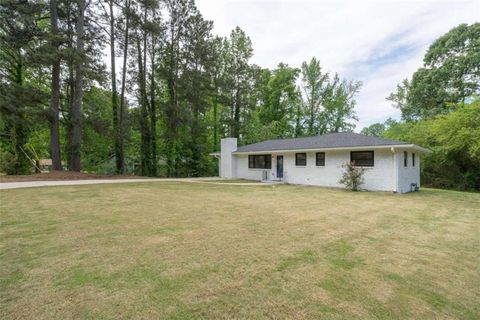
(352, 177)
(10, 164)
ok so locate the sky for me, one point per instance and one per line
(376, 42)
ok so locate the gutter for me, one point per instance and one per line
(411, 146)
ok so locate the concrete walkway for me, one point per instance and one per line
(31, 184)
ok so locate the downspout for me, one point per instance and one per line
(395, 171)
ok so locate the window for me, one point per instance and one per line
(405, 158)
(413, 159)
(362, 158)
(261, 161)
(300, 159)
(320, 159)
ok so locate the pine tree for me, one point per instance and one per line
(19, 39)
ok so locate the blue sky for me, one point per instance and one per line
(377, 42)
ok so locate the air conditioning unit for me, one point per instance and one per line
(264, 175)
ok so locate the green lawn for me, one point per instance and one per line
(190, 250)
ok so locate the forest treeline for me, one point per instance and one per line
(172, 89)
(170, 92)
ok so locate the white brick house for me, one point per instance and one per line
(390, 165)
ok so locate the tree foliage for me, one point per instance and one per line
(329, 102)
(20, 92)
(450, 75)
(376, 129)
(178, 90)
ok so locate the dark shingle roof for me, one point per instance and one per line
(331, 140)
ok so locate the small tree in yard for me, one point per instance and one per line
(352, 178)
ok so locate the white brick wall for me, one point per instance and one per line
(379, 177)
(409, 174)
(388, 173)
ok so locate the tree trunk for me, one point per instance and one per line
(116, 131)
(153, 116)
(144, 128)
(148, 132)
(172, 162)
(55, 93)
(215, 124)
(70, 90)
(122, 95)
(20, 136)
(298, 129)
(77, 112)
(236, 117)
(70, 101)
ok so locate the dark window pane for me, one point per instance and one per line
(300, 159)
(251, 161)
(413, 159)
(320, 158)
(362, 158)
(405, 158)
(259, 161)
(262, 161)
(268, 161)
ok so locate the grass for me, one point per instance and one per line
(235, 181)
(188, 251)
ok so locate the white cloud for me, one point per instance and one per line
(376, 42)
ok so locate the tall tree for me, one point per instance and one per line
(84, 42)
(143, 101)
(153, 48)
(279, 98)
(313, 85)
(147, 38)
(196, 79)
(450, 75)
(119, 160)
(339, 104)
(69, 88)
(121, 124)
(329, 102)
(178, 15)
(217, 71)
(76, 112)
(19, 97)
(55, 89)
(239, 52)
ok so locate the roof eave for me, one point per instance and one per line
(336, 148)
(421, 149)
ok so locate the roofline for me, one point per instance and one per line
(417, 148)
(413, 146)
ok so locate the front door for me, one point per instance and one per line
(279, 166)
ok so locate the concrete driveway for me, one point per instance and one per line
(31, 184)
